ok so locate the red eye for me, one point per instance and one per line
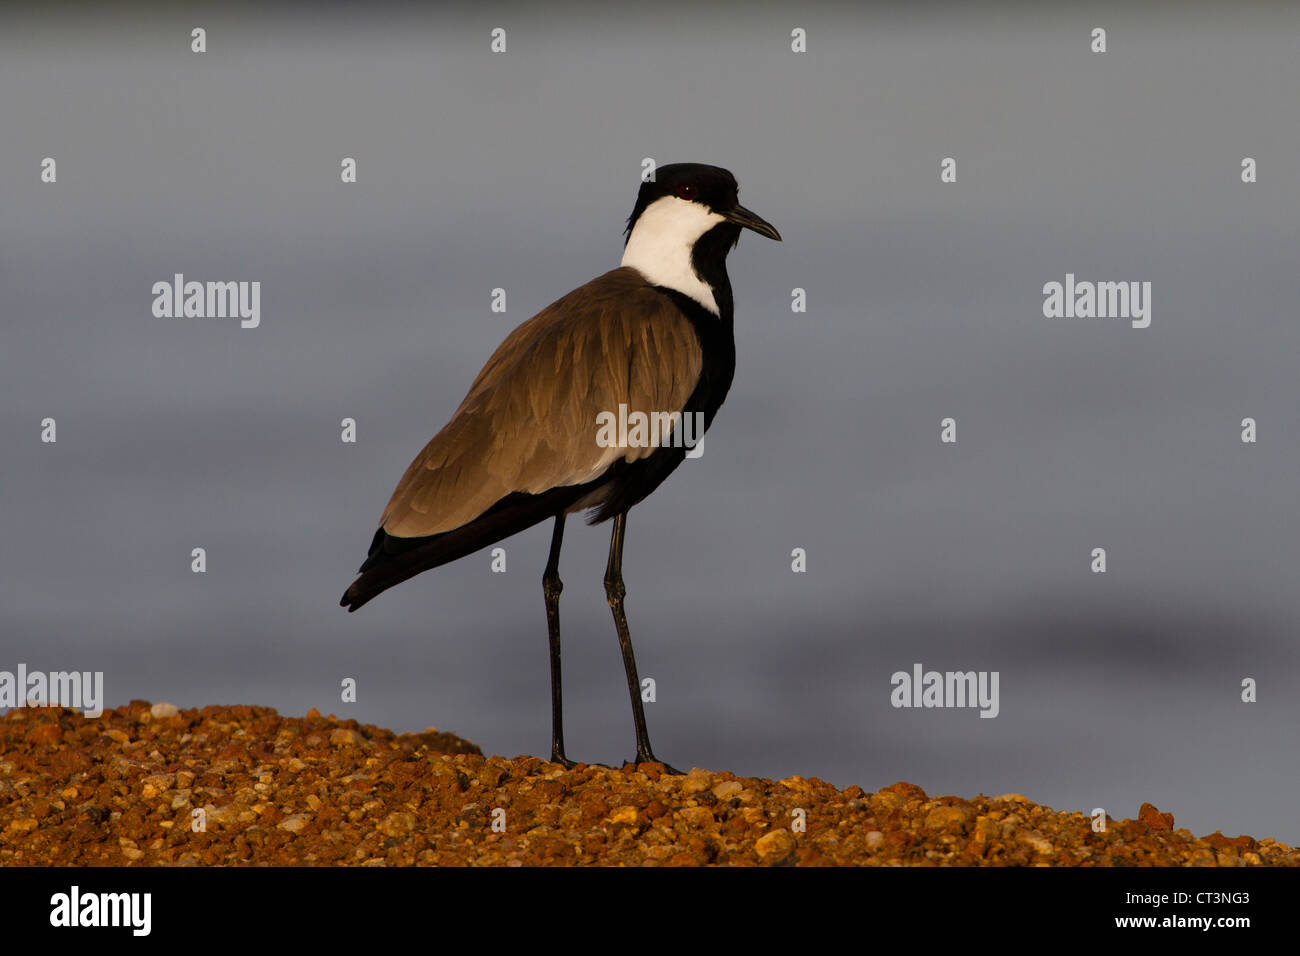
(686, 192)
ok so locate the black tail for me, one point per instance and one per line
(392, 560)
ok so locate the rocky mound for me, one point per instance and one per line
(156, 785)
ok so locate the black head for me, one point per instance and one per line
(710, 186)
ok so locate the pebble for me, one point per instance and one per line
(623, 815)
(294, 823)
(698, 817)
(1154, 819)
(220, 816)
(947, 818)
(159, 782)
(1039, 842)
(775, 846)
(697, 781)
(398, 824)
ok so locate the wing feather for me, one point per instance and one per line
(528, 423)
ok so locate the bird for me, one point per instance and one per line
(654, 335)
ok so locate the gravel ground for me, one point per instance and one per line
(122, 790)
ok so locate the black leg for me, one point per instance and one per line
(551, 587)
(615, 592)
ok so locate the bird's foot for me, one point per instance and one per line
(651, 758)
(562, 760)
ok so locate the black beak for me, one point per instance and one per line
(743, 217)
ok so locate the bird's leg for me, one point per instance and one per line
(551, 587)
(615, 592)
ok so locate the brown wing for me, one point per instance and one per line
(529, 424)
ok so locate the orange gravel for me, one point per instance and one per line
(124, 789)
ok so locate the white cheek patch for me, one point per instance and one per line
(661, 242)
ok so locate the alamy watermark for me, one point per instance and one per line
(75, 908)
(624, 429)
(78, 690)
(1103, 300)
(209, 300)
(946, 689)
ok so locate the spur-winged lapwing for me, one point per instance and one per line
(653, 336)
